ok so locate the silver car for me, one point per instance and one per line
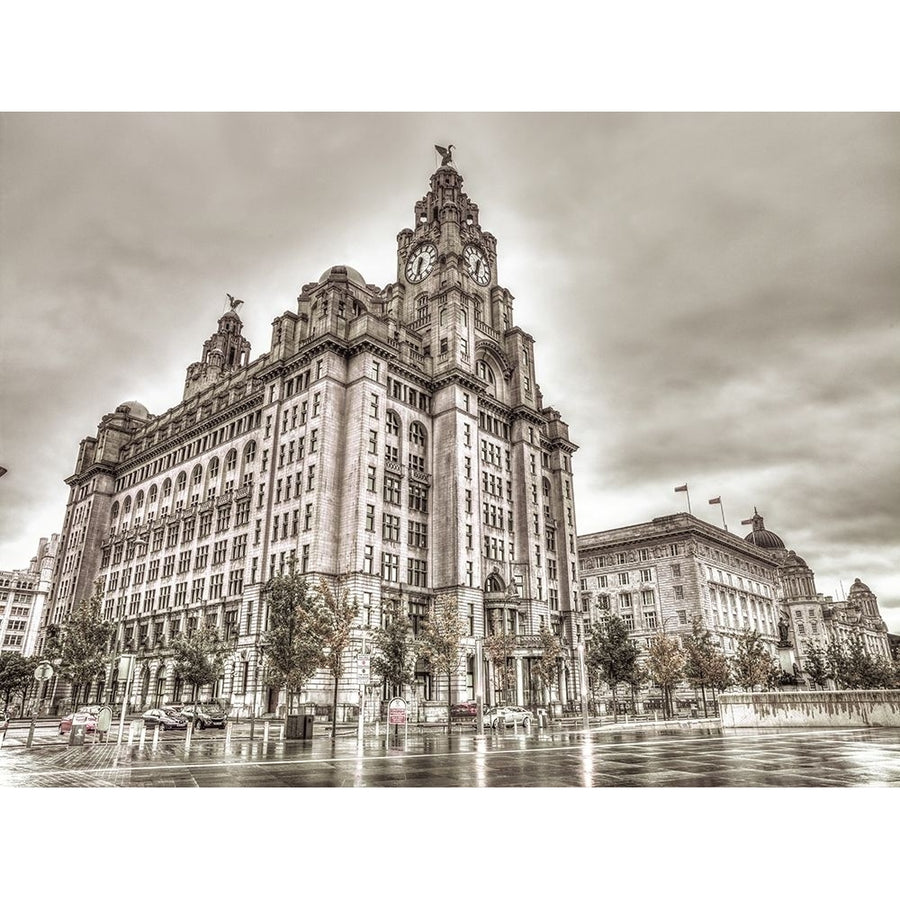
(508, 715)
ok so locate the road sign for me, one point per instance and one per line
(397, 711)
(126, 666)
(44, 672)
(364, 667)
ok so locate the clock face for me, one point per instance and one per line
(421, 261)
(477, 264)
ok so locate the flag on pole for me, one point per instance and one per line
(716, 500)
(2, 471)
(682, 488)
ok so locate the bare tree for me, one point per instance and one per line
(440, 642)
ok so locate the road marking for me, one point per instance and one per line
(123, 767)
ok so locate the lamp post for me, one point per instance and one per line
(479, 687)
(582, 675)
(126, 670)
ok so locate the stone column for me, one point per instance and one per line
(520, 689)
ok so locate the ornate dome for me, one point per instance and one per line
(858, 588)
(761, 536)
(134, 409)
(342, 273)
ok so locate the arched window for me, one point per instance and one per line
(151, 497)
(484, 371)
(546, 488)
(126, 506)
(197, 476)
(250, 452)
(139, 500)
(115, 511)
(213, 470)
(494, 584)
(392, 423)
(181, 483)
(417, 434)
(167, 488)
(231, 461)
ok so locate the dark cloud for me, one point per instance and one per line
(714, 296)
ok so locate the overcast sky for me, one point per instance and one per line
(715, 298)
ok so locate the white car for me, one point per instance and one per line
(509, 715)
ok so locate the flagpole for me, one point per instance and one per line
(688, 493)
(722, 507)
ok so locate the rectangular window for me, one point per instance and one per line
(368, 557)
(391, 493)
(679, 592)
(418, 497)
(216, 586)
(370, 517)
(623, 578)
(676, 570)
(390, 567)
(390, 527)
(417, 535)
(371, 478)
(646, 574)
(625, 600)
(648, 598)
(416, 573)
(373, 441)
(650, 619)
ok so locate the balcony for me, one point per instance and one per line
(487, 330)
(421, 477)
(391, 465)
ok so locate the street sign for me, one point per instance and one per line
(364, 667)
(44, 672)
(126, 665)
(397, 711)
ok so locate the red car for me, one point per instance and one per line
(84, 715)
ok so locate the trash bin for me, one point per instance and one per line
(76, 735)
(308, 722)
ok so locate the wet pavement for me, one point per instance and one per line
(702, 755)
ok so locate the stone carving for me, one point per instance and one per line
(446, 154)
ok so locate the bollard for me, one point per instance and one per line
(655, 716)
(283, 724)
(252, 727)
(515, 726)
(30, 737)
(377, 723)
(130, 733)
(143, 737)
(266, 732)
(188, 733)
(156, 737)
(228, 735)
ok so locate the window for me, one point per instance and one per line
(390, 566)
(417, 535)
(373, 441)
(416, 573)
(371, 478)
(676, 570)
(646, 574)
(216, 586)
(390, 527)
(368, 556)
(623, 578)
(648, 598)
(391, 493)
(625, 601)
(650, 619)
(370, 517)
(373, 405)
(679, 592)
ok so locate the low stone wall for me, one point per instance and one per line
(803, 709)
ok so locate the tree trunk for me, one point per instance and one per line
(615, 697)
(703, 695)
(449, 704)
(334, 707)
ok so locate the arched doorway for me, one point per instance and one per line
(160, 686)
(145, 685)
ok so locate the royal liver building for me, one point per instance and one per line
(392, 440)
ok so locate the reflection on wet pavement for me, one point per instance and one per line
(699, 757)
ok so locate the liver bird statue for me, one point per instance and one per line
(446, 154)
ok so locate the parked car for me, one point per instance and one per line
(511, 715)
(205, 715)
(465, 710)
(84, 715)
(164, 719)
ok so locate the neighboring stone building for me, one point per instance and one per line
(661, 574)
(23, 593)
(392, 440)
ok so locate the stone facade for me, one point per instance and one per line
(811, 709)
(23, 594)
(660, 575)
(393, 441)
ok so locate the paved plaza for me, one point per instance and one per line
(667, 756)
